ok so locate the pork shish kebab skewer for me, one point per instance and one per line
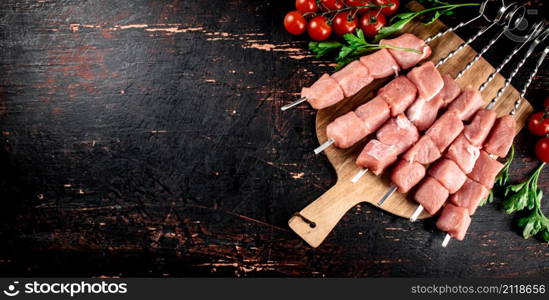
(378, 154)
(455, 217)
(465, 149)
(352, 127)
(329, 90)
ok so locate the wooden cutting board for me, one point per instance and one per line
(315, 221)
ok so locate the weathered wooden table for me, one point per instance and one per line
(145, 138)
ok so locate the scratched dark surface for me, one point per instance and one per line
(145, 138)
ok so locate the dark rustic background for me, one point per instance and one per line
(145, 138)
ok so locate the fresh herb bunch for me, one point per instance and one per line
(432, 14)
(355, 46)
(527, 196)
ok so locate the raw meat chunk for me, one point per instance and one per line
(467, 104)
(477, 131)
(381, 64)
(448, 174)
(463, 153)
(431, 195)
(455, 221)
(346, 130)
(399, 94)
(423, 152)
(352, 78)
(376, 156)
(373, 113)
(406, 175)
(486, 169)
(445, 130)
(450, 91)
(427, 80)
(470, 195)
(323, 93)
(501, 137)
(407, 59)
(399, 132)
(423, 113)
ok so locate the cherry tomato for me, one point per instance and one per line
(538, 124)
(389, 10)
(331, 4)
(295, 23)
(344, 22)
(306, 6)
(319, 29)
(542, 149)
(359, 3)
(371, 22)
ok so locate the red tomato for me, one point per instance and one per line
(295, 23)
(319, 29)
(306, 6)
(344, 22)
(542, 149)
(331, 4)
(359, 3)
(389, 10)
(371, 22)
(538, 124)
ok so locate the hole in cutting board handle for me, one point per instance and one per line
(311, 223)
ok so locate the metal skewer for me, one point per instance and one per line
(481, 13)
(448, 237)
(507, 21)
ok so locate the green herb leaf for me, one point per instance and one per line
(433, 18)
(323, 48)
(503, 177)
(488, 199)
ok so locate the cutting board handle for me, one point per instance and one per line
(318, 219)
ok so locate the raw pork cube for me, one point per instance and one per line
(463, 153)
(501, 138)
(406, 175)
(423, 113)
(373, 113)
(407, 59)
(455, 221)
(450, 91)
(427, 80)
(346, 130)
(399, 94)
(470, 195)
(352, 78)
(467, 104)
(323, 93)
(448, 174)
(399, 132)
(376, 156)
(431, 195)
(486, 169)
(445, 130)
(381, 64)
(424, 151)
(477, 131)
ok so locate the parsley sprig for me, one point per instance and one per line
(355, 46)
(527, 196)
(433, 13)
(502, 179)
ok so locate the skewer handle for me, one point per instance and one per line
(447, 239)
(452, 29)
(293, 104)
(323, 147)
